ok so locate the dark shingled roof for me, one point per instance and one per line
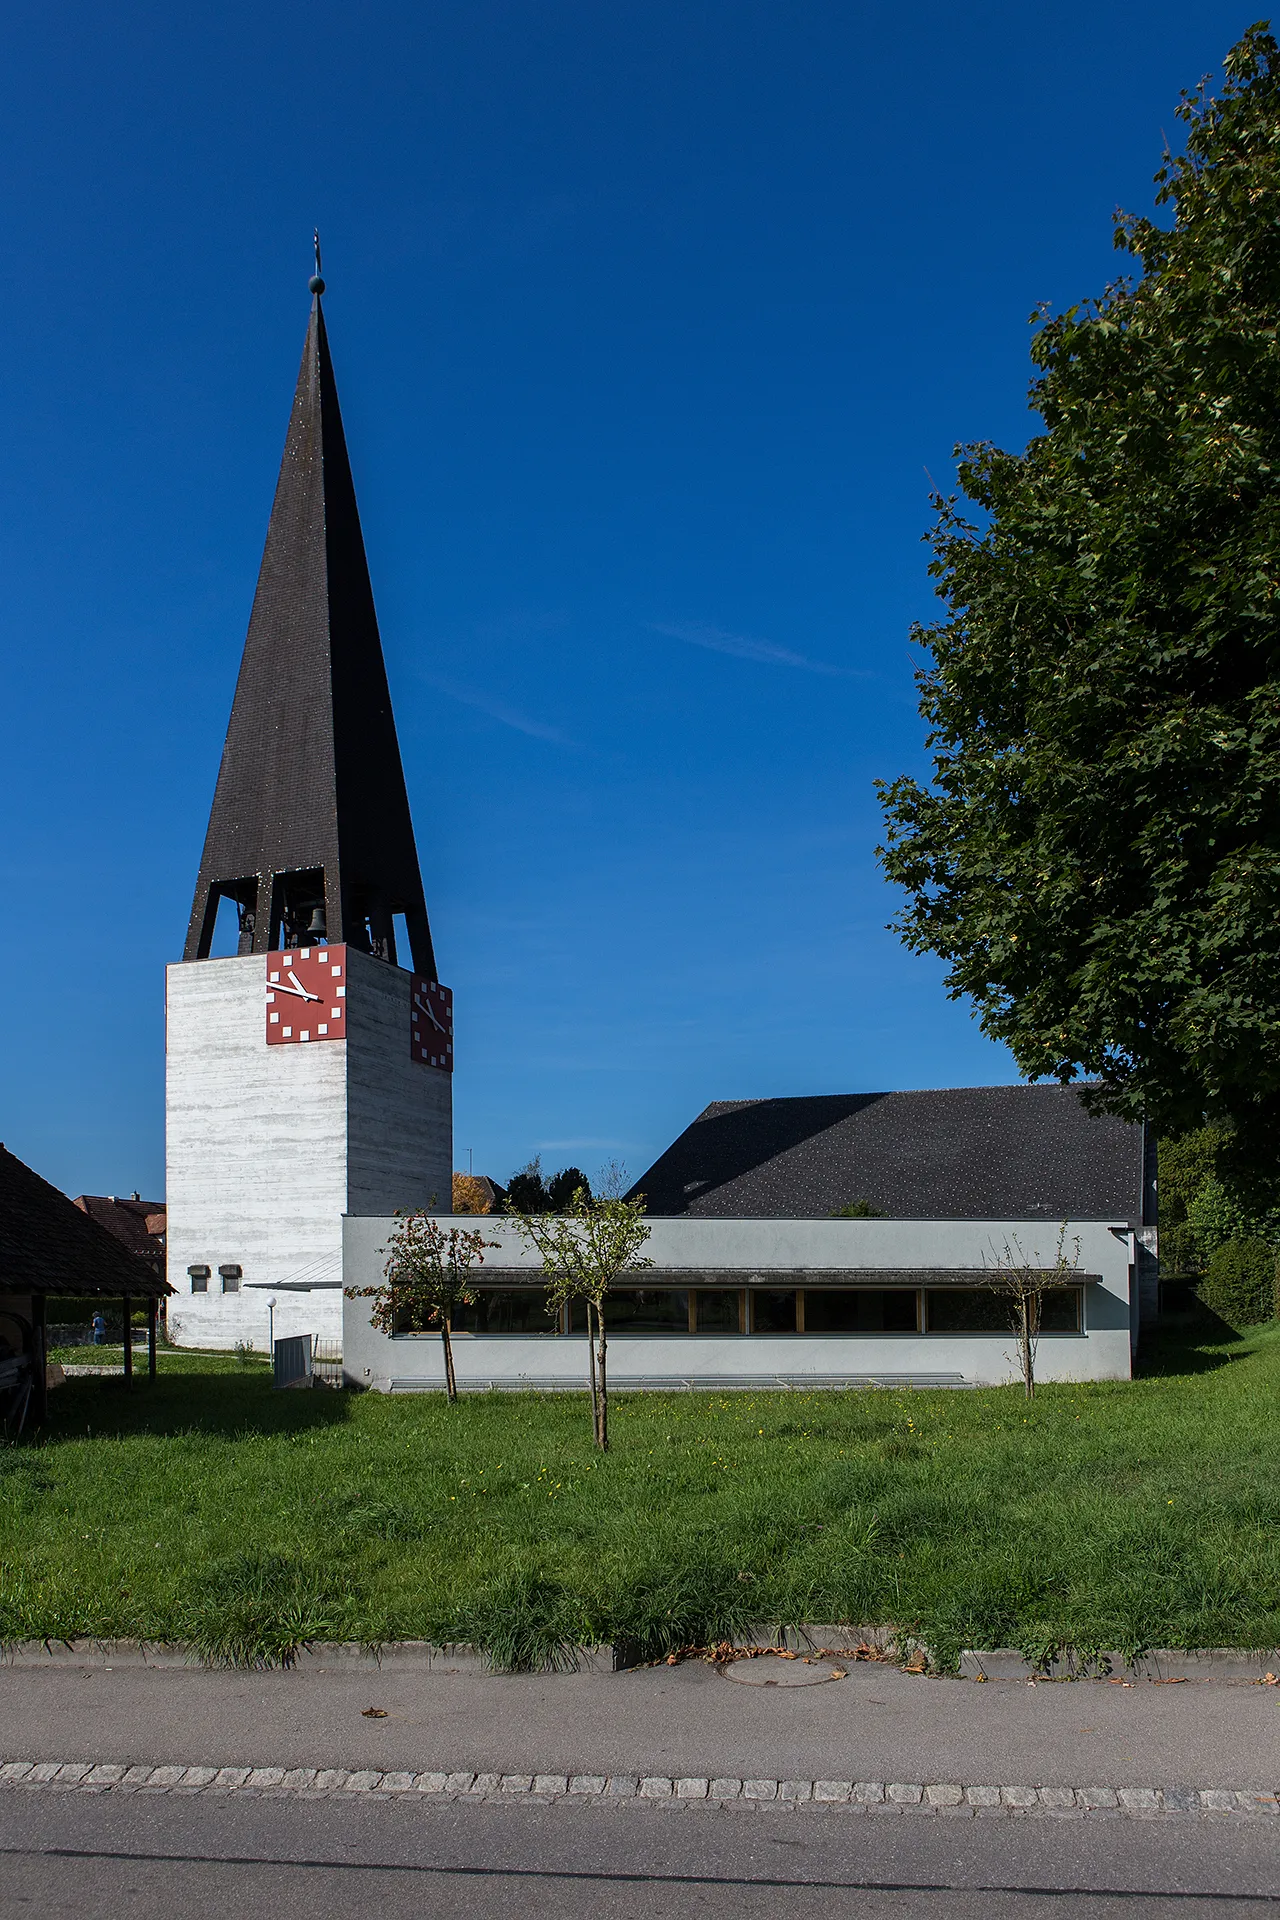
(48, 1245)
(961, 1153)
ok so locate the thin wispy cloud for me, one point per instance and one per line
(499, 710)
(696, 633)
(569, 1146)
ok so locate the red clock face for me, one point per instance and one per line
(306, 995)
(431, 1023)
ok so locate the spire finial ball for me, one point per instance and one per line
(315, 284)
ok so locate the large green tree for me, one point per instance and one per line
(1097, 857)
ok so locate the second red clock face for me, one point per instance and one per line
(306, 995)
(431, 1022)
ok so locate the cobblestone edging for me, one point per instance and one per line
(855, 1796)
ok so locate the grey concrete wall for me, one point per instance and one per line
(748, 1251)
(268, 1146)
(256, 1158)
(399, 1113)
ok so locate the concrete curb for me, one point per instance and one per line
(938, 1798)
(1165, 1665)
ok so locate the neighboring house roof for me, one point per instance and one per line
(49, 1245)
(138, 1223)
(960, 1153)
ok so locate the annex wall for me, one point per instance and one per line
(759, 1253)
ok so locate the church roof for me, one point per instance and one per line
(959, 1153)
(311, 785)
(49, 1245)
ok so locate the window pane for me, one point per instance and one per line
(1060, 1312)
(859, 1310)
(718, 1310)
(497, 1310)
(899, 1309)
(978, 1310)
(506, 1310)
(647, 1310)
(772, 1312)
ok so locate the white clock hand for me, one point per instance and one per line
(423, 1007)
(299, 988)
(299, 993)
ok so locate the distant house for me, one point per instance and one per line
(838, 1239)
(137, 1223)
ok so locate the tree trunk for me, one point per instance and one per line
(595, 1391)
(451, 1384)
(602, 1422)
(1028, 1365)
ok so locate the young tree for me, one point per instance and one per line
(1022, 1282)
(1098, 856)
(583, 1251)
(428, 1277)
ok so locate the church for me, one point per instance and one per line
(309, 1060)
(309, 1068)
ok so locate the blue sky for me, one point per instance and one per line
(652, 321)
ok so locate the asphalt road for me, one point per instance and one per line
(143, 1854)
(77, 1856)
(878, 1724)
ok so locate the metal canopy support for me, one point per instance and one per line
(152, 1308)
(127, 1303)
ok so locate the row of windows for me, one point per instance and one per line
(733, 1310)
(228, 1279)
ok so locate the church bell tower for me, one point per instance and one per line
(308, 1071)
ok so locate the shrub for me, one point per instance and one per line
(1240, 1284)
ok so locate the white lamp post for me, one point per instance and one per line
(271, 1327)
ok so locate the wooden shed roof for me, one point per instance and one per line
(47, 1245)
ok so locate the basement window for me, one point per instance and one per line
(199, 1277)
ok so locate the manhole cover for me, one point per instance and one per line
(772, 1670)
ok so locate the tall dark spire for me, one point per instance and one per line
(310, 830)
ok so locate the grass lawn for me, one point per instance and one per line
(168, 1359)
(206, 1507)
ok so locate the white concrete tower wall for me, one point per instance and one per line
(268, 1146)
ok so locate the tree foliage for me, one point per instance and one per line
(532, 1191)
(471, 1194)
(1097, 858)
(583, 1250)
(1240, 1283)
(1206, 1201)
